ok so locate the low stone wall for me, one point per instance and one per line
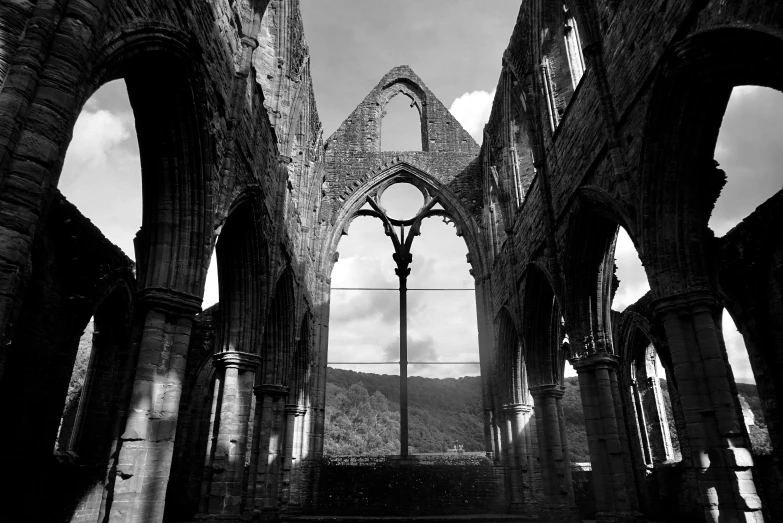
(420, 485)
(584, 491)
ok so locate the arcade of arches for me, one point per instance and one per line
(606, 115)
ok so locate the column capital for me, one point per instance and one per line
(592, 361)
(684, 303)
(547, 391)
(518, 408)
(170, 301)
(269, 389)
(240, 360)
(249, 41)
(296, 410)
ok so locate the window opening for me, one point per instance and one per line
(401, 201)
(549, 92)
(748, 150)
(101, 173)
(401, 125)
(573, 45)
(67, 434)
(752, 410)
(427, 357)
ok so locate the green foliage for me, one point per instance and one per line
(442, 412)
(575, 422)
(362, 415)
(359, 423)
(80, 365)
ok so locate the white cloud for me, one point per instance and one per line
(630, 272)
(95, 136)
(735, 347)
(102, 170)
(472, 111)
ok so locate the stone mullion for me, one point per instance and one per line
(613, 477)
(635, 443)
(641, 421)
(147, 444)
(718, 440)
(659, 438)
(230, 442)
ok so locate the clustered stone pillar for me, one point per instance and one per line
(558, 488)
(719, 443)
(265, 456)
(294, 415)
(519, 453)
(146, 445)
(230, 436)
(613, 478)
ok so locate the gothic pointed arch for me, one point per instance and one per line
(543, 331)
(279, 333)
(242, 269)
(402, 172)
(679, 178)
(512, 372)
(299, 379)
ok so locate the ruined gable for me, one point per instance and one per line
(353, 155)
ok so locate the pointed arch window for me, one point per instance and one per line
(573, 45)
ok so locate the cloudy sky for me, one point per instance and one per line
(455, 46)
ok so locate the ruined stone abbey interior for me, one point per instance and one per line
(605, 118)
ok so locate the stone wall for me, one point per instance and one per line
(420, 486)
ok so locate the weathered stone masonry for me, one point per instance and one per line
(606, 116)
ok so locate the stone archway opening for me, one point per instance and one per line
(441, 330)
(401, 125)
(745, 381)
(101, 173)
(748, 151)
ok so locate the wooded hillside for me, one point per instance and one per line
(362, 415)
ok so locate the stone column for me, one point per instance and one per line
(508, 459)
(230, 437)
(293, 416)
(518, 419)
(719, 443)
(265, 456)
(613, 478)
(146, 445)
(557, 483)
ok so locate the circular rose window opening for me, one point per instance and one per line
(402, 201)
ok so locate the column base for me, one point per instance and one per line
(620, 517)
(219, 518)
(551, 513)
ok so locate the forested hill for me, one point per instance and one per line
(362, 414)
